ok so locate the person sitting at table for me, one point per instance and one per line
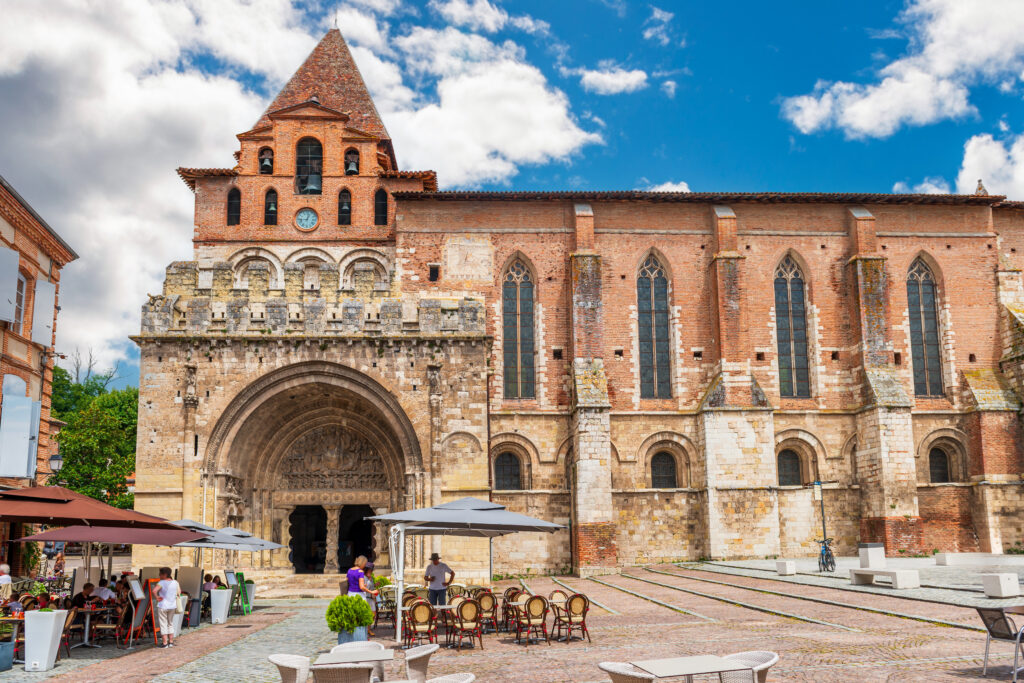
(103, 592)
(208, 583)
(217, 582)
(86, 597)
(433, 576)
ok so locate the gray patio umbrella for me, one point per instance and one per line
(247, 538)
(216, 540)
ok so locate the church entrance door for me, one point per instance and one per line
(355, 535)
(308, 547)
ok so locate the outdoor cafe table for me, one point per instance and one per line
(14, 636)
(355, 655)
(689, 666)
(86, 640)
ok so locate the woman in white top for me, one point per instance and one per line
(168, 592)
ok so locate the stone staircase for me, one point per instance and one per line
(283, 583)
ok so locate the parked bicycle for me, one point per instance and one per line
(826, 560)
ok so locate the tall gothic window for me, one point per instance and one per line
(789, 468)
(663, 471)
(791, 330)
(938, 466)
(270, 208)
(652, 315)
(507, 473)
(234, 206)
(517, 327)
(924, 330)
(309, 158)
(380, 208)
(344, 208)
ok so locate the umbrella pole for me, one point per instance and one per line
(110, 562)
(397, 543)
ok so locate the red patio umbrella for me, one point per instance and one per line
(107, 534)
(58, 506)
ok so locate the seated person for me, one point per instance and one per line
(217, 582)
(85, 597)
(208, 583)
(103, 592)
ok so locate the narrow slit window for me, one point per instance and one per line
(924, 330)
(234, 206)
(791, 330)
(517, 327)
(652, 316)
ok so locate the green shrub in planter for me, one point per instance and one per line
(347, 613)
(223, 588)
(381, 581)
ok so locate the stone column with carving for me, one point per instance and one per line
(333, 527)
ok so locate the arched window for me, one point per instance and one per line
(663, 471)
(652, 317)
(352, 162)
(924, 330)
(789, 468)
(266, 161)
(507, 473)
(938, 466)
(270, 208)
(517, 327)
(344, 208)
(309, 157)
(234, 206)
(791, 330)
(380, 208)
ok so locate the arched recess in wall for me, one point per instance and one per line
(311, 259)
(377, 261)
(808, 447)
(241, 259)
(950, 441)
(519, 446)
(848, 455)
(679, 446)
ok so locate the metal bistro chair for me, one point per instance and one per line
(467, 621)
(378, 667)
(342, 673)
(508, 610)
(573, 617)
(1001, 627)
(293, 668)
(621, 672)
(488, 609)
(456, 589)
(422, 623)
(385, 607)
(532, 618)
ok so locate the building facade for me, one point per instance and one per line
(31, 257)
(664, 373)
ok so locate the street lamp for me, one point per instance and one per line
(56, 461)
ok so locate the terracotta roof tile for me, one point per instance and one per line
(429, 177)
(189, 175)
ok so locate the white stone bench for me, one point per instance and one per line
(1000, 585)
(901, 578)
(785, 567)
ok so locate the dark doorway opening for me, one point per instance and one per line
(309, 539)
(355, 535)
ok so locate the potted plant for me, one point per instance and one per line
(381, 581)
(349, 615)
(6, 647)
(250, 591)
(220, 603)
(43, 628)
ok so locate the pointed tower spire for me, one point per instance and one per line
(330, 76)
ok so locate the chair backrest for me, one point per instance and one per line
(421, 613)
(359, 645)
(758, 660)
(422, 592)
(409, 598)
(999, 626)
(509, 593)
(537, 606)
(486, 600)
(558, 594)
(741, 676)
(343, 673)
(417, 659)
(28, 601)
(457, 600)
(70, 618)
(292, 668)
(577, 604)
(456, 589)
(621, 672)
(469, 611)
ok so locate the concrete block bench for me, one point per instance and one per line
(1000, 585)
(785, 567)
(901, 578)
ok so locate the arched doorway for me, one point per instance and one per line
(307, 549)
(355, 535)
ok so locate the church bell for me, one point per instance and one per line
(272, 206)
(266, 165)
(313, 183)
(351, 167)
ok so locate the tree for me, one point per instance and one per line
(98, 446)
(69, 397)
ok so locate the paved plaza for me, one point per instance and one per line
(822, 629)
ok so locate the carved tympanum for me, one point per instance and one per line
(332, 458)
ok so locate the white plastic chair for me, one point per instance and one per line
(293, 668)
(758, 660)
(622, 672)
(378, 667)
(342, 673)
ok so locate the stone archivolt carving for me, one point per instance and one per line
(332, 458)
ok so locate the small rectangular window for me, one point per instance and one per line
(556, 354)
(434, 273)
(698, 355)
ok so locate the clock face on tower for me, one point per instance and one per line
(306, 219)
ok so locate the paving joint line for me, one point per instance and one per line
(592, 600)
(675, 608)
(834, 603)
(746, 605)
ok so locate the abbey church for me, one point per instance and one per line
(666, 374)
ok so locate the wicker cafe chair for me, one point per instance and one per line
(573, 617)
(1001, 627)
(467, 620)
(488, 609)
(378, 667)
(532, 618)
(455, 590)
(29, 602)
(758, 660)
(422, 623)
(385, 607)
(558, 594)
(508, 609)
(342, 673)
(116, 628)
(621, 672)
(417, 660)
(70, 627)
(293, 668)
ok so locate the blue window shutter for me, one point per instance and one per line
(15, 431)
(8, 282)
(42, 313)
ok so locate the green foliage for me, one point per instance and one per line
(30, 555)
(222, 588)
(70, 397)
(39, 588)
(1015, 549)
(381, 581)
(348, 612)
(98, 447)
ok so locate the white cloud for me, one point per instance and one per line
(669, 186)
(102, 101)
(930, 185)
(609, 79)
(954, 44)
(474, 14)
(656, 27)
(998, 163)
(669, 88)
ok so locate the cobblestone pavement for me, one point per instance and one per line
(851, 644)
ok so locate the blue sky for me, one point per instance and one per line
(104, 100)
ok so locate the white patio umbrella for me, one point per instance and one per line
(462, 517)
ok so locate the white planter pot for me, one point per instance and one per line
(42, 638)
(250, 591)
(220, 602)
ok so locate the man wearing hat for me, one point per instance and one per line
(433, 576)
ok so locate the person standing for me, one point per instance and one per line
(371, 597)
(433, 576)
(168, 592)
(58, 564)
(6, 583)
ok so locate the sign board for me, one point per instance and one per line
(231, 578)
(817, 491)
(136, 587)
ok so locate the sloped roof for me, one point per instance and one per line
(330, 76)
(991, 391)
(429, 178)
(705, 197)
(189, 175)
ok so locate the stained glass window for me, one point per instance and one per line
(652, 319)
(507, 473)
(789, 468)
(517, 328)
(924, 330)
(791, 330)
(663, 471)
